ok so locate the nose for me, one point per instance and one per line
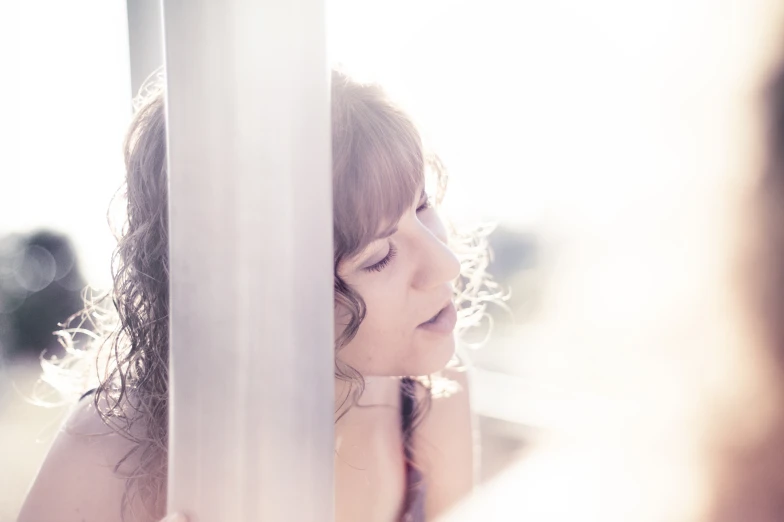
(438, 264)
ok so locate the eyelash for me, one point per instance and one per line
(381, 265)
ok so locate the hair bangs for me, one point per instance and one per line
(379, 172)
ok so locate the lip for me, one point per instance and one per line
(445, 320)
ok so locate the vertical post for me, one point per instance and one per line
(248, 108)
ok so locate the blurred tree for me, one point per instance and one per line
(40, 286)
(516, 267)
(512, 252)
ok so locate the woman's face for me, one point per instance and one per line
(405, 280)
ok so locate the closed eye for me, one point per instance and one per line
(381, 265)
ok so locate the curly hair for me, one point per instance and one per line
(379, 162)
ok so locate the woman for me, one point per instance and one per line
(398, 287)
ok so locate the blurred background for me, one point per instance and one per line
(612, 143)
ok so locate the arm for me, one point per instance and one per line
(444, 445)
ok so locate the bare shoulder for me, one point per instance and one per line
(77, 482)
(445, 446)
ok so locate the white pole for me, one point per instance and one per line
(251, 415)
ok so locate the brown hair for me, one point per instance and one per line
(379, 163)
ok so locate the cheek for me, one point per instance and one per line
(383, 318)
(379, 346)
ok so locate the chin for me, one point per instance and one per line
(433, 358)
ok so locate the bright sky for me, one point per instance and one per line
(73, 102)
(543, 111)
